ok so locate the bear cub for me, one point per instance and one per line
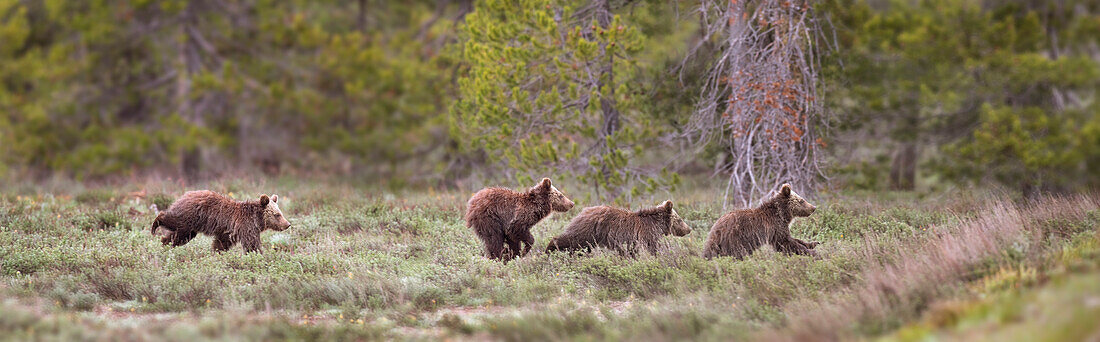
(228, 221)
(624, 231)
(740, 232)
(503, 218)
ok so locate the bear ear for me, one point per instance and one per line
(545, 184)
(786, 190)
(263, 200)
(275, 198)
(667, 206)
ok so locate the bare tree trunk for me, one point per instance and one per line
(361, 17)
(759, 99)
(610, 121)
(190, 164)
(607, 72)
(903, 170)
(1030, 188)
(464, 8)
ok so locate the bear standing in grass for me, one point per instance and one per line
(228, 221)
(504, 217)
(624, 231)
(741, 232)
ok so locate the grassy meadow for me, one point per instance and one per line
(361, 263)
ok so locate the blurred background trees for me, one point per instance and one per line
(955, 90)
(197, 88)
(621, 95)
(548, 90)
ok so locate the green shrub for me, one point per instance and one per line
(102, 220)
(162, 201)
(95, 197)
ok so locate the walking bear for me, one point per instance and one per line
(228, 221)
(503, 217)
(741, 232)
(625, 232)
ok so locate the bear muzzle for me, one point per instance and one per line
(563, 207)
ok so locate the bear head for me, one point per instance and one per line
(558, 201)
(797, 205)
(273, 217)
(671, 222)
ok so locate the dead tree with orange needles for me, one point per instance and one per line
(759, 102)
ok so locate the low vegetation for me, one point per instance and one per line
(360, 264)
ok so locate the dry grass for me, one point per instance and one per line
(404, 266)
(902, 284)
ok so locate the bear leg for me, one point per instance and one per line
(512, 249)
(178, 233)
(178, 238)
(651, 245)
(494, 246)
(251, 244)
(496, 249)
(223, 243)
(807, 244)
(627, 250)
(793, 246)
(524, 237)
(744, 246)
(567, 244)
(560, 243)
(491, 232)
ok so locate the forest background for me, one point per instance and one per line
(624, 97)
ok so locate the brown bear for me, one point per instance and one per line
(504, 217)
(228, 221)
(740, 232)
(624, 231)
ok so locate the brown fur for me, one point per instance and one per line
(228, 221)
(741, 232)
(625, 232)
(502, 217)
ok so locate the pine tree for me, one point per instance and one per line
(546, 92)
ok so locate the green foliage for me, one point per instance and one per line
(94, 89)
(108, 219)
(547, 90)
(420, 91)
(163, 201)
(95, 197)
(1030, 145)
(969, 84)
